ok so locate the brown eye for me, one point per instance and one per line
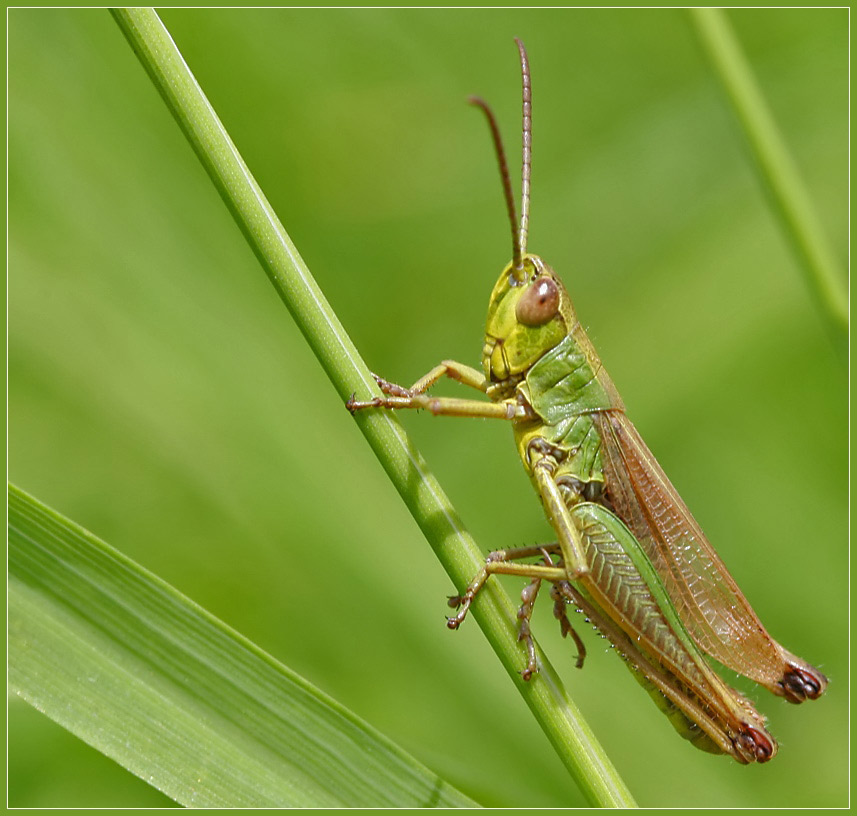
(539, 303)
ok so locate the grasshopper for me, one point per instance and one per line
(628, 554)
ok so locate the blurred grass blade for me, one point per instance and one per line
(776, 167)
(558, 717)
(140, 672)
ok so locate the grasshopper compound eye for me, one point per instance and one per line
(539, 303)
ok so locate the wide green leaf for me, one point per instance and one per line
(136, 669)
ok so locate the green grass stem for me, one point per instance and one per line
(776, 168)
(457, 552)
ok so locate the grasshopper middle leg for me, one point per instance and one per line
(501, 562)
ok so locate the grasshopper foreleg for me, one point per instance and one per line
(397, 396)
(447, 368)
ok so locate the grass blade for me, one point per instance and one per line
(776, 168)
(494, 611)
(137, 670)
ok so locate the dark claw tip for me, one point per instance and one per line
(760, 745)
(800, 684)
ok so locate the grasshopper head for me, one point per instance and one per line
(529, 313)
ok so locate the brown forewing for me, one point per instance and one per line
(708, 600)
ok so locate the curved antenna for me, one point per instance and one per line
(517, 255)
(526, 159)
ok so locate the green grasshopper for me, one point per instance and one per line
(628, 554)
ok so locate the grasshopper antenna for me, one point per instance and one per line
(517, 256)
(519, 230)
(527, 152)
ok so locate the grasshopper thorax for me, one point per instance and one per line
(529, 313)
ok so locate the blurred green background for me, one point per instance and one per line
(160, 395)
